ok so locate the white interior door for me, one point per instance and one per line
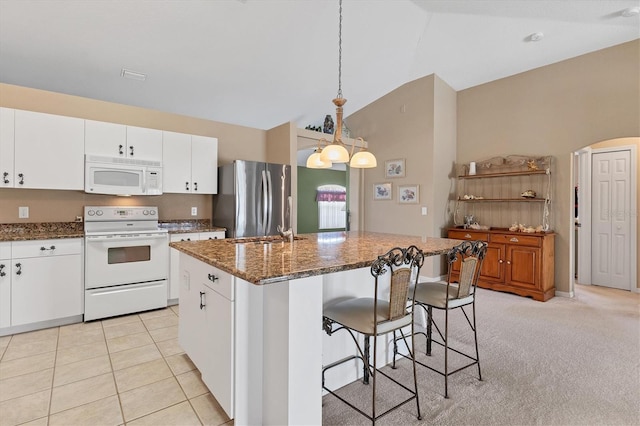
(610, 216)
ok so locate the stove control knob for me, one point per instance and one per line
(99, 212)
(91, 212)
(145, 212)
(152, 212)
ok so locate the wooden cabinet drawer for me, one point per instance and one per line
(220, 282)
(465, 234)
(519, 240)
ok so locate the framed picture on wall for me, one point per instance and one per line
(394, 168)
(382, 191)
(408, 194)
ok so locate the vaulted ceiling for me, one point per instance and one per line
(261, 63)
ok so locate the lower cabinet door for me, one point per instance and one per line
(523, 266)
(45, 288)
(190, 326)
(218, 342)
(493, 264)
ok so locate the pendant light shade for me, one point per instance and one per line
(335, 153)
(315, 162)
(363, 160)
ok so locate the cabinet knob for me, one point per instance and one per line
(21, 176)
(4, 177)
(212, 277)
(2, 273)
(120, 151)
(19, 266)
(508, 262)
(195, 186)
(500, 261)
(202, 304)
(186, 186)
(131, 150)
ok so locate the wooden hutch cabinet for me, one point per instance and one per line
(504, 193)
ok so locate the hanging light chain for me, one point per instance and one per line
(340, 53)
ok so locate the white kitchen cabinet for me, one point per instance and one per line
(204, 164)
(119, 140)
(7, 131)
(174, 270)
(105, 139)
(48, 151)
(205, 330)
(46, 280)
(5, 284)
(144, 144)
(190, 163)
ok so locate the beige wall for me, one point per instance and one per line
(554, 110)
(234, 142)
(416, 122)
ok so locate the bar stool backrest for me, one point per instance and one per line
(471, 254)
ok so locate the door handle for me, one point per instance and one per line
(131, 150)
(21, 176)
(212, 277)
(120, 149)
(4, 177)
(195, 186)
(202, 304)
(19, 266)
(2, 273)
(186, 186)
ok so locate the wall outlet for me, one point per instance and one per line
(424, 210)
(23, 212)
(194, 211)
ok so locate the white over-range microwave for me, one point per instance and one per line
(122, 176)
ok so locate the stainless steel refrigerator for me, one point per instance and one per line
(253, 199)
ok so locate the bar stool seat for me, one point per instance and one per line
(370, 317)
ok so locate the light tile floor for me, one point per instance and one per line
(125, 370)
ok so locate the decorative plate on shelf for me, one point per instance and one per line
(529, 193)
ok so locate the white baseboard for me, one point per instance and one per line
(568, 294)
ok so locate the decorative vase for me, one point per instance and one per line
(328, 124)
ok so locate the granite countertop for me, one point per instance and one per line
(40, 231)
(182, 226)
(53, 230)
(313, 254)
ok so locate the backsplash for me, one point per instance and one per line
(65, 206)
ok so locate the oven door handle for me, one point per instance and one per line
(103, 238)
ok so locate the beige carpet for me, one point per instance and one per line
(563, 362)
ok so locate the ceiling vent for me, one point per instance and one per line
(132, 75)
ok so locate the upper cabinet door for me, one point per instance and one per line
(49, 151)
(204, 164)
(176, 163)
(144, 144)
(105, 139)
(7, 117)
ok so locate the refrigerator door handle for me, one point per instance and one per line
(263, 204)
(269, 208)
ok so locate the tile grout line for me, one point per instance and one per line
(53, 376)
(113, 373)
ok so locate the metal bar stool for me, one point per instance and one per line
(464, 263)
(373, 317)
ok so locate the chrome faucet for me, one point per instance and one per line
(286, 233)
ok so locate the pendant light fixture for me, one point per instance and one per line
(336, 152)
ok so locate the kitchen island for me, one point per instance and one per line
(251, 316)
